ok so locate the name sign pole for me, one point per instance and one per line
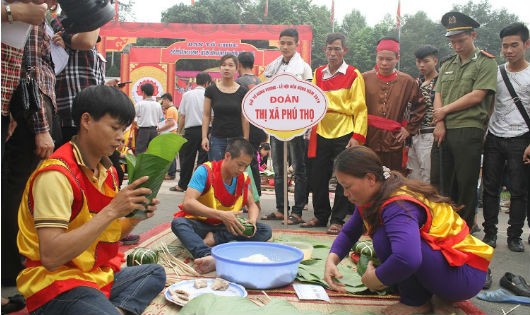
(285, 107)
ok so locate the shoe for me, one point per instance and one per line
(131, 239)
(490, 239)
(515, 245)
(475, 229)
(516, 284)
(16, 303)
(168, 177)
(489, 280)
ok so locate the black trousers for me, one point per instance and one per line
(189, 151)
(457, 175)
(18, 162)
(322, 169)
(504, 156)
(143, 137)
(254, 167)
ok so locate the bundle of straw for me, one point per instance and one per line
(178, 268)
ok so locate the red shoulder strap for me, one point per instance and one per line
(428, 214)
(74, 183)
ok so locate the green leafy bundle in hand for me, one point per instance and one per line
(249, 228)
(366, 251)
(154, 163)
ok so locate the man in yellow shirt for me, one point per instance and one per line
(72, 217)
(171, 118)
(343, 126)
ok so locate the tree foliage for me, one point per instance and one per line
(416, 30)
(125, 10)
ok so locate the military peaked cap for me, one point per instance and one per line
(457, 23)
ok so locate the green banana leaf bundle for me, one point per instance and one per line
(366, 252)
(249, 228)
(365, 247)
(154, 163)
(141, 256)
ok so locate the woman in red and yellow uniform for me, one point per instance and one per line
(424, 246)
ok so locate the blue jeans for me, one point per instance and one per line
(172, 171)
(217, 148)
(499, 152)
(132, 291)
(192, 232)
(297, 151)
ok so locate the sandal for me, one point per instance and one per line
(334, 228)
(314, 222)
(177, 188)
(274, 216)
(294, 219)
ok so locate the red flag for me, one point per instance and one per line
(332, 17)
(192, 2)
(398, 15)
(266, 13)
(116, 10)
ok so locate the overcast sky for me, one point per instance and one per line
(373, 10)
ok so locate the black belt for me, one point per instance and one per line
(148, 127)
(422, 131)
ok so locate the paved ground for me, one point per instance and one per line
(503, 261)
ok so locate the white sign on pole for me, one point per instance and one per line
(285, 106)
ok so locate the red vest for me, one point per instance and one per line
(449, 233)
(92, 267)
(216, 196)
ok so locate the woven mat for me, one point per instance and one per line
(355, 304)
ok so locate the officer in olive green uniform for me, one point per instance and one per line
(464, 92)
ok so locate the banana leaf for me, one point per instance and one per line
(154, 163)
(314, 273)
(312, 270)
(232, 305)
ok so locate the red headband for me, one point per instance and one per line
(388, 44)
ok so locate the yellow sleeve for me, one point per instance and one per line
(359, 109)
(173, 114)
(53, 197)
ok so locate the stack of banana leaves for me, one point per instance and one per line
(312, 270)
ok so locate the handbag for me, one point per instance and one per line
(514, 95)
(26, 97)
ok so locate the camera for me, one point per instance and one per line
(80, 16)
